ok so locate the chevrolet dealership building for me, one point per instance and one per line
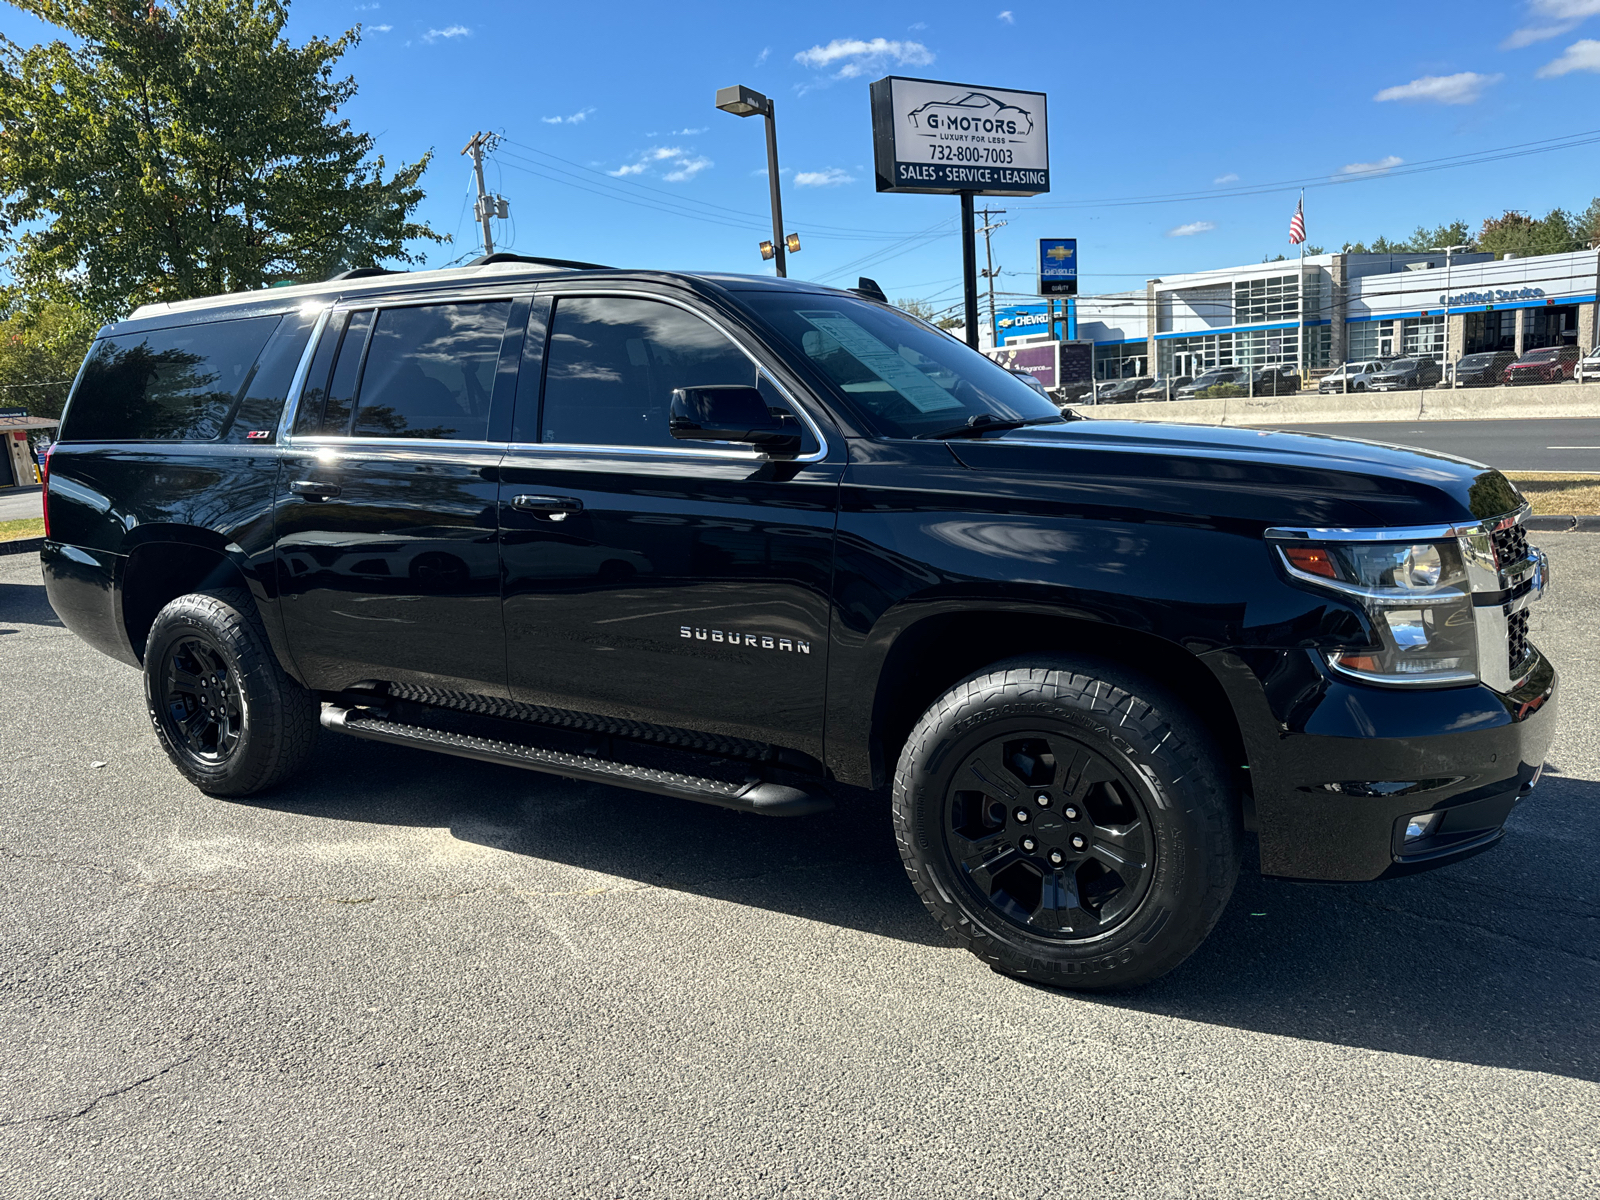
(1356, 306)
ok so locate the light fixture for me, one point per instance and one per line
(767, 251)
(793, 242)
(742, 101)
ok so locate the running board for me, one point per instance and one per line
(753, 795)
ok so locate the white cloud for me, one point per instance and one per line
(1580, 56)
(687, 168)
(1192, 228)
(856, 57)
(766, 52)
(381, 28)
(1230, 177)
(1463, 88)
(577, 118)
(1382, 167)
(832, 177)
(1559, 16)
(918, 27)
(1007, 17)
(449, 31)
(688, 132)
(367, 7)
(681, 164)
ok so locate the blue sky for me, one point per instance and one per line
(1146, 100)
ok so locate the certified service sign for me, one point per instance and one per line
(953, 137)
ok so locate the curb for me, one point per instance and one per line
(1563, 524)
(22, 546)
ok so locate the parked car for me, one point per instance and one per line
(1406, 374)
(1352, 376)
(1487, 368)
(1588, 369)
(1122, 391)
(482, 511)
(1548, 364)
(1165, 389)
(1282, 380)
(1213, 377)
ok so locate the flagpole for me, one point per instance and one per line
(1304, 371)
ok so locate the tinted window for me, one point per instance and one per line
(904, 376)
(429, 371)
(613, 364)
(167, 385)
(264, 396)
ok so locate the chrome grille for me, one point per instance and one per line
(1516, 639)
(1511, 545)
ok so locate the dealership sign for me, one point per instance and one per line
(1495, 297)
(947, 138)
(1058, 266)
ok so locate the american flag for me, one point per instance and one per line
(1297, 227)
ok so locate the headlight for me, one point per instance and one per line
(1418, 604)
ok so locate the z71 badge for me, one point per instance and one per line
(756, 641)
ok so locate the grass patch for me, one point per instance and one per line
(27, 527)
(1559, 494)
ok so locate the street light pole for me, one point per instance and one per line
(747, 102)
(772, 180)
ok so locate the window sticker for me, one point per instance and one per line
(882, 360)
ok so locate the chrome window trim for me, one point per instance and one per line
(315, 442)
(732, 454)
(291, 406)
(557, 294)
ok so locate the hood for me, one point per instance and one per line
(1253, 475)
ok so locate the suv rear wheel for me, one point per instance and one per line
(1068, 821)
(224, 710)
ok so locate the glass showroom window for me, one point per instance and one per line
(1369, 339)
(1121, 360)
(1276, 298)
(1425, 338)
(1191, 355)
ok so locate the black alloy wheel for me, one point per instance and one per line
(1049, 833)
(202, 702)
(223, 708)
(1069, 821)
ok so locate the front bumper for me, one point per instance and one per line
(1350, 763)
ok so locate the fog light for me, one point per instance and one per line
(1421, 825)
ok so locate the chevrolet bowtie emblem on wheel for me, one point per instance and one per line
(756, 641)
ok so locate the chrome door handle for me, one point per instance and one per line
(552, 508)
(312, 490)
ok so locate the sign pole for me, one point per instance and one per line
(969, 267)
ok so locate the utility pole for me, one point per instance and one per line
(488, 204)
(989, 272)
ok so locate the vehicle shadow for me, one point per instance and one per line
(1491, 961)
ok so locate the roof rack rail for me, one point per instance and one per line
(569, 264)
(361, 273)
(870, 289)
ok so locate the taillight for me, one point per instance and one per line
(44, 485)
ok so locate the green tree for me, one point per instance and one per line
(921, 308)
(1558, 232)
(185, 149)
(40, 349)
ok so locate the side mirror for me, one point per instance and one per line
(732, 414)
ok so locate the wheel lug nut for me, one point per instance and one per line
(1057, 858)
(1022, 816)
(1077, 842)
(1042, 799)
(1029, 844)
(1070, 812)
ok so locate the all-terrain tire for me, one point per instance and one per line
(1159, 769)
(225, 711)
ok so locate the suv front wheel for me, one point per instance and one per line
(1068, 821)
(225, 711)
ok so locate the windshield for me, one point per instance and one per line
(905, 378)
(1476, 360)
(1542, 355)
(1405, 364)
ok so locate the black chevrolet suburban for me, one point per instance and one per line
(779, 547)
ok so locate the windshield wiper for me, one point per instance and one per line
(984, 423)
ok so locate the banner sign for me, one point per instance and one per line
(948, 138)
(1042, 361)
(1058, 266)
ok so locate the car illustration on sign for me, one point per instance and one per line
(973, 113)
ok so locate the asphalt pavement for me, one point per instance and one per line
(410, 975)
(1516, 444)
(18, 502)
